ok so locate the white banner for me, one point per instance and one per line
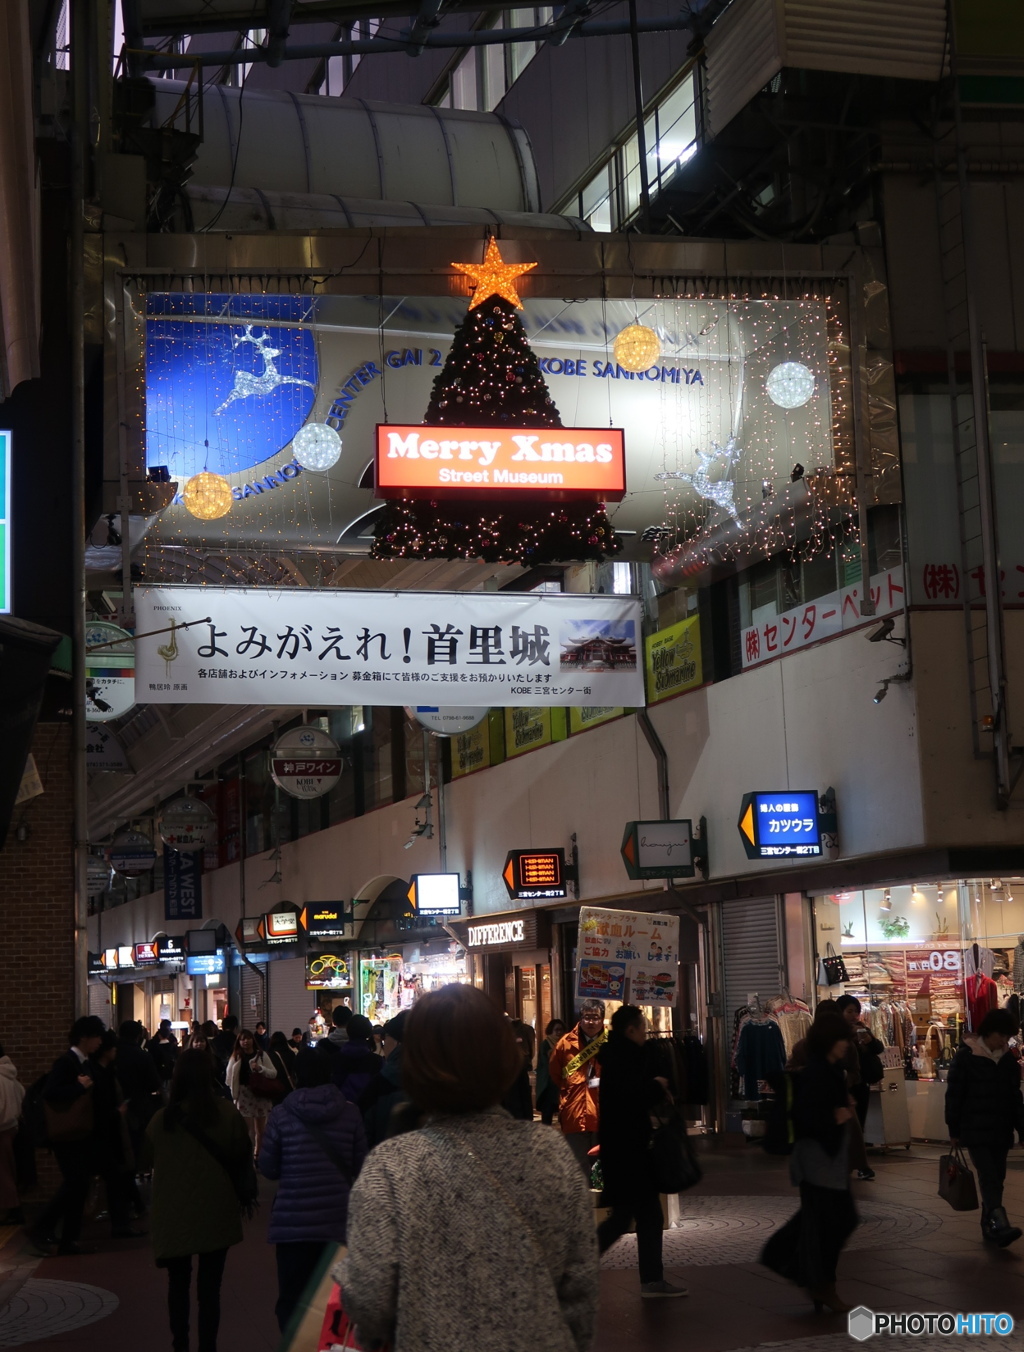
(316, 648)
(632, 956)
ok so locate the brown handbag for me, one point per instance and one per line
(73, 1123)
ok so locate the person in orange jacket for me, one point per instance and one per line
(575, 1070)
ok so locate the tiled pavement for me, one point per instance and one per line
(922, 1256)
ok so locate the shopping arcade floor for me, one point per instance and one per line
(919, 1255)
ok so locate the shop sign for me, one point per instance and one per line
(187, 824)
(304, 646)
(104, 752)
(527, 930)
(824, 618)
(146, 955)
(125, 955)
(491, 462)
(783, 823)
(6, 503)
(306, 762)
(131, 854)
(433, 894)
(248, 930)
(183, 885)
(591, 716)
(109, 671)
(471, 750)
(205, 964)
(327, 972)
(535, 874)
(97, 876)
(447, 722)
(110, 959)
(171, 949)
(672, 660)
(526, 730)
(280, 927)
(96, 964)
(325, 921)
(632, 956)
(664, 849)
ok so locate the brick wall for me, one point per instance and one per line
(37, 914)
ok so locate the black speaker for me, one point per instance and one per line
(25, 652)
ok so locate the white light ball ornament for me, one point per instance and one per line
(790, 384)
(317, 446)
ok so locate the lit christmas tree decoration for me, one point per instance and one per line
(494, 277)
(317, 446)
(492, 378)
(637, 348)
(208, 496)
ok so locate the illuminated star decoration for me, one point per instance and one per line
(494, 277)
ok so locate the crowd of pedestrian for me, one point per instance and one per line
(386, 1138)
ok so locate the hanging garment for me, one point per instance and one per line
(982, 995)
(1018, 967)
(793, 1024)
(760, 1053)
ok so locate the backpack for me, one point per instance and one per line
(780, 1135)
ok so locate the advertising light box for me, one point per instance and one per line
(439, 462)
(205, 964)
(781, 824)
(435, 894)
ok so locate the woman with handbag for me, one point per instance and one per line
(629, 1095)
(983, 1109)
(199, 1149)
(474, 1231)
(252, 1078)
(806, 1250)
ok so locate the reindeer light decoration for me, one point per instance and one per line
(719, 491)
(246, 383)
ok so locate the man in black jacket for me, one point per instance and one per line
(629, 1091)
(983, 1109)
(69, 1081)
(141, 1085)
(224, 1043)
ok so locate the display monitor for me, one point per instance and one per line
(201, 941)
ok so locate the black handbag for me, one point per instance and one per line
(831, 968)
(956, 1182)
(674, 1166)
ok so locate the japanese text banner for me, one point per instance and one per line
(632, 956)
(306, 647)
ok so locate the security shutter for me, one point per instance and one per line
(751, 951)
(290, 1003)
(99, 1002)
(253, 1009)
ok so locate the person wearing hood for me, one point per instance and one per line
(629, 1093)
(314, 1146)
(356, 1063)
(983, 1109)
(385, 1091)
(11, 1095)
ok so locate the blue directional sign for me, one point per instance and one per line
(781, 824)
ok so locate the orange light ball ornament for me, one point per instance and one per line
(637, 348)
(208, 496)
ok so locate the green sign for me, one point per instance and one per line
(6, 508)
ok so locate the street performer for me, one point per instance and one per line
(574, 1068)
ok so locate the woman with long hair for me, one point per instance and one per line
(507, 1197)
(250, 1072)
(806, 1250)
(546, 1089)
(196, 1147)
(284, 1060)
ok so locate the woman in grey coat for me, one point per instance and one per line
(475, 1231)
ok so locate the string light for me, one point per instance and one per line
(317, 446)
(208, 495)
(637, 348)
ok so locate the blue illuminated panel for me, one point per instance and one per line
(781, 824)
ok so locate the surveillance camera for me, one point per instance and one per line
(882, 631)
(883, 690)
(409, 843)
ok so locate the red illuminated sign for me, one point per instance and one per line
(535, 873)
(414, 461)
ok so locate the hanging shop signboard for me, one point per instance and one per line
(303, 646)
(471, 750)
(591, 716)
(96, 967)
(672, 659)
(484, 462)
(187, 824)
(281, 927)
(632, 956)
(125, 955)
(110, 959)
(146, 955)
(104, 752)
(131, 854)
(327, 972)
(522, 932)
(326, 920)
(449, 722)
(434, 894)
(531, 875)
(171, 948)
(205, 964)
(664, 849)
(109, 671)
(248, 931)
(183, 884)
(5, 523)
(781, 824)
(97, 875)
(306, 762)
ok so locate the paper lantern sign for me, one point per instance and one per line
(447, 722)
(109, 671)
(306, 763)
(131, 854)
(187, 824)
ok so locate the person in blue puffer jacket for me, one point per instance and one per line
(314, 1145)
(355, 1063)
